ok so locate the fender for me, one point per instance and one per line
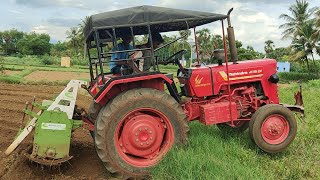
(118, 84)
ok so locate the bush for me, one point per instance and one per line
(295, 76)
(1, 65)
(79, 61)
(47, 60)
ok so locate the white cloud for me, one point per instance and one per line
(254, 18)
(40, 29)
(253, 22)
(15, 11)
(56, 32)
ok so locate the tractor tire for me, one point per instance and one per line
(136, 129)
(240, 126)
(273, 128)
(94, 110)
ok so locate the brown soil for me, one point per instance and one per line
(84, 165)
(9, 73)
(55, 76)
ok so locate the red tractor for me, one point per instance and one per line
(135, 122)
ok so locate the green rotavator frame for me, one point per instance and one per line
(53, 127)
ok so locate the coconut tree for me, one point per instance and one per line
(300, 14)
(298, 53)
(72, 35)
(316, 35)
(308, 34)
(305, 44)
(81, 37)
(268, 47)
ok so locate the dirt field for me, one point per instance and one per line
(84, 165)
(9, 73)
(55, 76)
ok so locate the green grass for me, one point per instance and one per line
(45, 68)
(213, 154)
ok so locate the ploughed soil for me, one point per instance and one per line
(55, 76)
(9, 73)
(85, 163)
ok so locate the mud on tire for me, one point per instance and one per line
(129, 111)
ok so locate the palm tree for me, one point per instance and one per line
(82, 25)
(316, 35)
(268, 48)
(300, 15)
(304, 44)
(72, 34)
(307, 34)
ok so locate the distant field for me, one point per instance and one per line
(18, 71)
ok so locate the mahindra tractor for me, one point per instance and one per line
(136, 116)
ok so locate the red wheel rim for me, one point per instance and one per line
(275, 129)
(143, 137)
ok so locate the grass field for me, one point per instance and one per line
(213, 154)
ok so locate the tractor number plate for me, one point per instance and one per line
(53, 126)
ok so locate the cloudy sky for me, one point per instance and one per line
(255, 21)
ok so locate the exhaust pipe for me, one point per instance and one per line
(232, 40)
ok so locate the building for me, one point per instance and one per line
(283, 66)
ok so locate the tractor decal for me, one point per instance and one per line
(198, 82)
(53, 126)
(241, 74)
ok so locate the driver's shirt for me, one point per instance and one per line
(118, 56)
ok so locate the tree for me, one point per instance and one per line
(310, 42)
(316, 35)
(81, 37)
(280, 54)
(248, 53)
(268, 48)
(9, 40)
(59, 49)
(208, 43)
(34, 44)
(300, 15)
(72, 35)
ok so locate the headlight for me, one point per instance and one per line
(274, 78)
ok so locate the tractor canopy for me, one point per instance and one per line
(159, 18)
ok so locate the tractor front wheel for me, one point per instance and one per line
(273, 128)
(136, 129)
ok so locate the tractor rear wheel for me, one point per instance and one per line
(94, 110)
(273, 128)
(136, 129)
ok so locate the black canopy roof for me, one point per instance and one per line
(160, 18)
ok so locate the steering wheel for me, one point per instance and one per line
(175, 57)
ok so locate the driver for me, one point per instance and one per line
(114, 66)
(145, 63)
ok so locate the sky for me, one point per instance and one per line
(254, 21)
